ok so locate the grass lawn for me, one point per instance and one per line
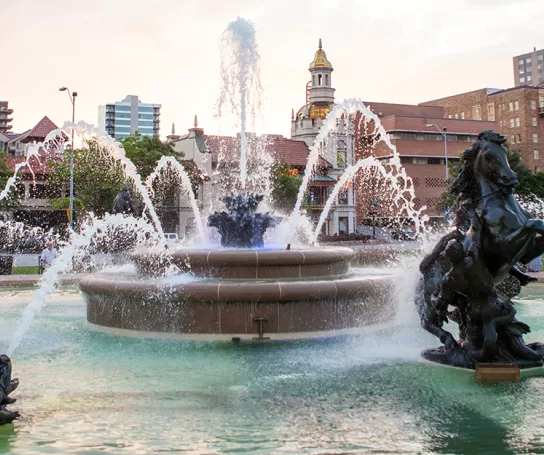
(27, 270)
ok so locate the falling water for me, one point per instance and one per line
(79, 243)
(165, 162)
(240, 80)
(347, 109)
(54, 141)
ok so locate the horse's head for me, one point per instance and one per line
(491, 162)
(486, 159)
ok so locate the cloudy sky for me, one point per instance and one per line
(167, 52)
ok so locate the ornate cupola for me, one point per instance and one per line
(321, 90)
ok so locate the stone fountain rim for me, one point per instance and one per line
(253, 257)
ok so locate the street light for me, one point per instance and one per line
(444, 134)
(73, 101)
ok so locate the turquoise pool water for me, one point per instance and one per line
(92, 393)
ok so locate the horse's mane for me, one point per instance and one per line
(466, 182)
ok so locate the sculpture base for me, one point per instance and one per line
(458, 357)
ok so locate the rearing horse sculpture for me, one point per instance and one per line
(492, 233)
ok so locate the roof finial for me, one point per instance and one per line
(320, 44)
(173, 128)
(196, 121)
(292, 114)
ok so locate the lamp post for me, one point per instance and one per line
(444, 134)
(73, 101)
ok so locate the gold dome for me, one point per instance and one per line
(320, 59)
(321, 111)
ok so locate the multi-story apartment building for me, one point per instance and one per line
(5, 117)
(123, 118)
(424, 140)
(518, 113)
(529, 68)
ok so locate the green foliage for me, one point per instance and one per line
(145, 152)
(97, 179)
(285, 186)
(12, 199)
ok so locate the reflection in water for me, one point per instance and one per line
(85, 391)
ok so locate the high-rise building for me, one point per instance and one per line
(529, 68)
(5, 117)
(123, 118)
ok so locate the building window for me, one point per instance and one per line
(491, 111)
(511, 123)
(540, 57)
(463, 115)
(327, 80)
(341, 159)
(537, 169)
(517, 122)
(513, 139)
(520, 62)
(516, 105)
(521, 80)
(533, 121)
(519, 138)
(343, 196)
(535, 138)
(535, 155)
(528, 60)
(319, 79)
(533, 104)
(449, 116)
(456, 115)
(529, 78)
(476, 112)
(510, 107)
(521, 71)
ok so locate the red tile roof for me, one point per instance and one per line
(38, 165)
(288, 151)
(38, 133)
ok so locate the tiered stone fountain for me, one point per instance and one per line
(240, 293)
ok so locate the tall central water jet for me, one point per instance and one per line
(240, 81)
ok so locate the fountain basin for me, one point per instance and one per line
(241, 294)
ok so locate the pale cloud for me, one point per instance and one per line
(167, 52)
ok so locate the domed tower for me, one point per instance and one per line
(319, 99)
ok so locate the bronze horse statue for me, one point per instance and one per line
(461, 276)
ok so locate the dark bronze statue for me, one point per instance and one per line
(240, 226)
(7, 385)
(464, 276)
(123, 203)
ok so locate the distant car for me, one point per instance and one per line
(171, 237)
(403, 234)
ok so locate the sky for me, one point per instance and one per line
(168, 52)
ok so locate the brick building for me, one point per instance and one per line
(5, 117)
(518, 113)
(422, 151)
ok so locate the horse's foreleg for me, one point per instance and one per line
(534, 250)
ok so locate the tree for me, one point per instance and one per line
(146, 151)
(285, 185)
(97, 179)
(11, 201)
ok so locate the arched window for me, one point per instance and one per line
(320, 79)
(327, 80)
(313, 80)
